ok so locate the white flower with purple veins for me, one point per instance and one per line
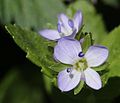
(69, 51)
(65, 27)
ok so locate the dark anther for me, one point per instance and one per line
(68, 70)
(81, 54)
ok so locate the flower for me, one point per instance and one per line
(68, 51)
(65, 27)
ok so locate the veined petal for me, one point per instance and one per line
(68, 79)
(96, 55)
(63, 20)
(67, 50)
(50, 34)
(78, 20)
(92, 79)
(72, 36)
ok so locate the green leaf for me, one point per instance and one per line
(115, 3)
(86, 42)
(17, 87)
(30, 13)
(48, 84)
(37, 48)
(92, 21)
(112, 42)
(79, 87)
(5, 83)
(102, 67)
(111, 67)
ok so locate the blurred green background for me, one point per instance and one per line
(20, 80)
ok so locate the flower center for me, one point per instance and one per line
(80, 65)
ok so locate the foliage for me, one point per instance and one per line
(17, 87)
(114, 3)
(30, 13)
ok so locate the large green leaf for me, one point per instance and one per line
(30, 13)
(112, 67)
(38, 49)
(112, 42)
(92, 21)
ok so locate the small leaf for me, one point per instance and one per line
(48, 84)
(79, 87)
(102, 67)
(86, 42)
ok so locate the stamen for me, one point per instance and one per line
(81, 54)
(71, 23)
(59, 28)
(68, 70)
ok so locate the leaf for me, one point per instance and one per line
(114, 3)
(6, 82)
(86, 42)
(91, 20)
(37, 48)
(18, 87)
(30, 13)
(111, 67)
(112, 42)
(79, 87)
(102, 67)
(48, 84)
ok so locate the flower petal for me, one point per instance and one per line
(92, 79)
(78, 20)
(63, 20)
(50, 34)
(71, 23)
(68, 79)
(96, 55)
(67, 50)
(72, 36)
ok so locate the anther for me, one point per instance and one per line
(68, 70)
(71, 23)
(81, 54)
(59, 28)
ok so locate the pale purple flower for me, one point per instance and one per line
(68, 51)
(65, 27)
